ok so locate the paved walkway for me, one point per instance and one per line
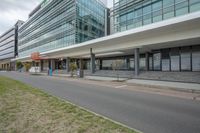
(104, 78)
(152, 83)
(166, 84)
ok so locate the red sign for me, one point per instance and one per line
(35, 56)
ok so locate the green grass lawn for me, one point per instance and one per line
(24, 109)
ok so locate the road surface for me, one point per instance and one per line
(149, 113)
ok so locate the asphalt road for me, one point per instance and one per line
(149, 113)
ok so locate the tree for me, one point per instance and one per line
(116, 66)
(73, 68)
(27, 66)
(19, 65)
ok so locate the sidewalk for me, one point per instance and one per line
(56, 75)
(104, 78)
(192, 87)
(175, 89)
(179, 86)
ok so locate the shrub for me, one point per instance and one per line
(19, 65)
(73, 68)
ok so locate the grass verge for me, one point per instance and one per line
(27, 109)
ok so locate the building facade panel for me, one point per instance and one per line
(61, 23)
(7, 45)
(129, 14)
(7, 35)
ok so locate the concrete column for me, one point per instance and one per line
(41, 65)
(68, 64)
(101, 64)
(92, 64)
(137, 62)
(147, 61)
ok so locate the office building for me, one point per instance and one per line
(8, 47)
(132, 14)
(147, 36)
(56, 24)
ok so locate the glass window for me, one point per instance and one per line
(165, 60)
(142, 63)
(130, 25)
(147, 15)
(130, 15)
(123, 27)
(196, 58)
(138, 17)
(168, 9)
(185, 59)
(123, 18)
(157, 11)
(194, 5)
(150, 63)
(117, 63)
(156, 61)
(175, 59)
(132, 63)
(107, 64)
(181, 7)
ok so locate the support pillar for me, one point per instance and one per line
(137, 62)
(92, 67)
(68, 64)
(101, 64)
(41, 65)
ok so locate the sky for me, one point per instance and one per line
(13, 10)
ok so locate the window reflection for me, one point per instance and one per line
(196, 58)
(156, 61)
(146, 12)
(175, 59)
(185, 59)
(165, 60)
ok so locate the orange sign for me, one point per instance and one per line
(35, 56)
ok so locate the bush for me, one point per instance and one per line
(19, 65)
(27, 66)
(73, 68)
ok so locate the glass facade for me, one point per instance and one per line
(157, 61)
(178, 59)
(165, 60)
(185, 59)
(61, 23)
(196, 58)
(8, 42)
(175, 59)
(7, 45)
(129, 14)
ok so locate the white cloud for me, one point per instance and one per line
(110, 3)
(13, 10)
